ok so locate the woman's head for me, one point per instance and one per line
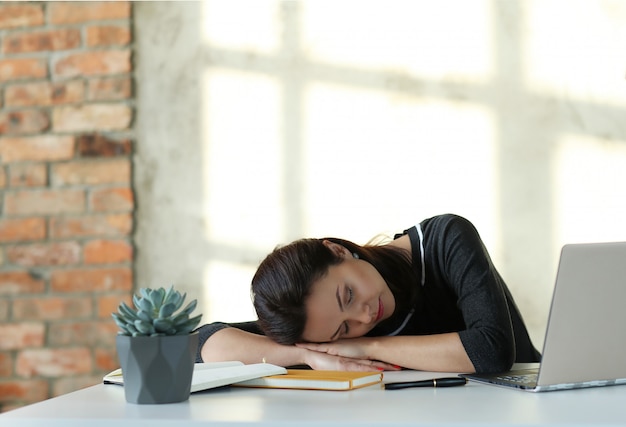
(282, 283)
(304, 291)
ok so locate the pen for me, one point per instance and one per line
(435, 382)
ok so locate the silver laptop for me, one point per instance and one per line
(585, 342)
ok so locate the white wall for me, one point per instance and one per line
(262, 121)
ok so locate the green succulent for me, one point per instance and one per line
(155, 314)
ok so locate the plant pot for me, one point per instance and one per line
(157, 369)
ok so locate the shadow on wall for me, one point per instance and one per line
(268, 121)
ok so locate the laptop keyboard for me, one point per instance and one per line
(520, 379)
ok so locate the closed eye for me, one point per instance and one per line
(350, 295)
(349, 298)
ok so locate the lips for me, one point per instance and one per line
(381, 310)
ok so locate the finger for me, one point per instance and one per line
(362, 367)
(387, 366)
(380, 364)
(356, 366)
(373, 365)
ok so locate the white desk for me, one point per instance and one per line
(105, 406)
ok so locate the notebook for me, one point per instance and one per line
(215, 374)
(307, 379)
(585, 341)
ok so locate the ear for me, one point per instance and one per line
(337, 249)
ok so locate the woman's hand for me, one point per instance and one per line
(344, 355)
(354, 348)
(437, 352)
(323, 361)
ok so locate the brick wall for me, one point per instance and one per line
(66, 254)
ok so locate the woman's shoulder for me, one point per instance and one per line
(447, 227)
(436, 228)
(447, 221)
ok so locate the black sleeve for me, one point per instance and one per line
(462, 262)
(205, 332)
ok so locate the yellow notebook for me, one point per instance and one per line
(307, 379)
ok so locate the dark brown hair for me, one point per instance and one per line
(284, 278)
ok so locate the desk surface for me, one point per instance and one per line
(104, 405)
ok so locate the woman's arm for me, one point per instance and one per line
(455, 256)
(461, 260)
(246, 347)
(440, 352)
(236, 344)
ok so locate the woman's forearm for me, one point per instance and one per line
(437, 353)
(235, 344)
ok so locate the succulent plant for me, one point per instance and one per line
(155, 314)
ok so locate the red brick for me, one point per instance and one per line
(91, 225)
(20, 282)
(3, 177)
(109, 303)
(108, 35)
(53, 362)
(93, 63)
(22, 229)
(41, 41)
(24, 121)
(85, 172)
(28, 391)
(43, 202)
(44, 93)
(109, 88)
(16, 15)
(77, 12)
(37, 148)
(97, 145)
(98, 280)
(38, 254)
(107, 252)
(52, 308)
(91, 116)
(6, 364)
(15, 336)
(106, 359)
(112, 199)
(22, 69)
(83, 333)
(28, 175)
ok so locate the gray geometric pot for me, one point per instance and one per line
(157, 369)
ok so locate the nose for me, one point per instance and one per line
(363, 315)
(360, 320)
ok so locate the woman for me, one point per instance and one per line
(430, 300)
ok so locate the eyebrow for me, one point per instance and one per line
(332, 337)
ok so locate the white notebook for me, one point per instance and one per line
(217, 374)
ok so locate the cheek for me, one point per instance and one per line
(358, 331)
(389, 304)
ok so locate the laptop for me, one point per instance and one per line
(585, 341)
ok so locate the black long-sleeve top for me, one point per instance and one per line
(461, 291)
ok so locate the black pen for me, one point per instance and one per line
(435, 382)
